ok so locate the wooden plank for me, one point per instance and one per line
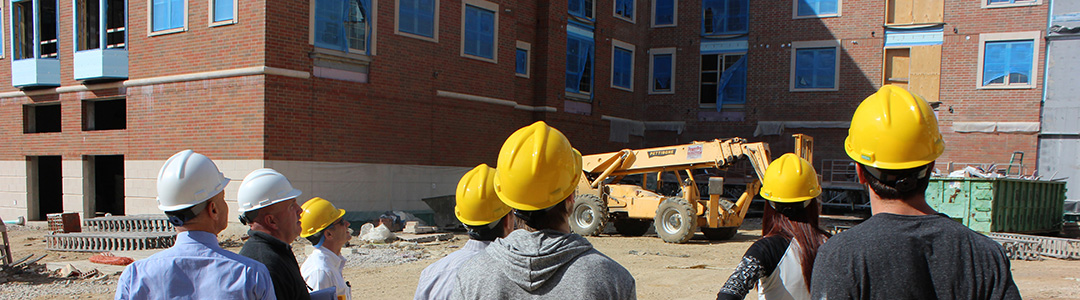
(925, 70)
(928, 11)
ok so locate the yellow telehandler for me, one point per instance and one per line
(602, 197)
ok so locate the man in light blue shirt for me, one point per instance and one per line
(486, 217)
(191, 192)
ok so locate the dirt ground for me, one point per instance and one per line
(695, 270)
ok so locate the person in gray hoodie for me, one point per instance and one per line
(536, 176)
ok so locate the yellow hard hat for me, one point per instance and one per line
(790, 179)
(317, 214)
(537, 168)
(894, 129)
(477, 203)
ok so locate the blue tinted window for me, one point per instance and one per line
(223, 10)
(417, 17)
(724, 16)
(625, 8)
(1008, 62)
(622, 68)
(665, 12)
(581, 8)
(817, 7)
(168, 14)
(661, 73)
(479, 32)
(815, 68)
(522, 62)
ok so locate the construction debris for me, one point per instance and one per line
(414, 227)
(1033, 247)
(371, 234)
(109, 259)
(116, 233)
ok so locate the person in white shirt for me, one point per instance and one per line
(486, 217)
(323, 225)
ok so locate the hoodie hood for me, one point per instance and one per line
(529, 259)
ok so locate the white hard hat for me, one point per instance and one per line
(187, 179)
(262, 188)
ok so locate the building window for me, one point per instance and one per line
(723, 79)
(479, 30)
(724, 17)
(168, 15)
(582, 8)
(622, 65)
(624, 9)
(815, 66)
(41, 118)
(661, 67)
(90, 20)
(104, 114)
(418, 18)
(1008, 60)
(521, 59)
(1009, 3)
(222, 12)
(579, 63)
(342, 29)
(663, 13)
(28, 40)
(816, 8)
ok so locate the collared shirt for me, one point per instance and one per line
(322, 269)
(437, 281)
(279, 259)
(195, 267)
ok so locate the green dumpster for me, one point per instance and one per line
(1000, 204)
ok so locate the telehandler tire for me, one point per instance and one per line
(719, 234)
(589, 216)
(676, 220)
(632, 227)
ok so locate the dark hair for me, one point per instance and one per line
(800, 224)
(549, 218)
(900, 184)
(487, 232)
(315, 238)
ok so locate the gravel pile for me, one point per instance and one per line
(377, 255)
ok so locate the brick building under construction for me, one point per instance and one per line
(376, 104)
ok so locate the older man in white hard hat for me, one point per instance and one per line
(268, 205)
(190, 191)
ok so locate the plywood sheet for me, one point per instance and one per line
(896, 67)
(928, 11)
(925, 70)
(898, 12)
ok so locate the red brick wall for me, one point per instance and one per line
(959, 71)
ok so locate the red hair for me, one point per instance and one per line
(801, 225)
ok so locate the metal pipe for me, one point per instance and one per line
(21, 221)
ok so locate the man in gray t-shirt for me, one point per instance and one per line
(906, 250)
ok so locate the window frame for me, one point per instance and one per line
(484, 5)
(615, 8)
(652, 69)
(104, 23)
(434, 23)
(795, 46)
(987, 4)
(150, 20)
(584, 36)
(617, 44)
(719, 74)
(37, 40)
(674, 15)
(528, 59)
(1034, 36)
(590, 18)
(372, 24)
(839, 11)
(210, 14)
